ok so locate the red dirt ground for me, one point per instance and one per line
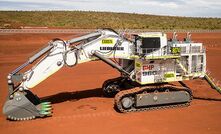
(79, 106)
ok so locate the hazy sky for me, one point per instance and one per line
(198, 8)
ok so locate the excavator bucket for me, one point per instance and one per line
(26, 106)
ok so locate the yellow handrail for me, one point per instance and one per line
(212, 83)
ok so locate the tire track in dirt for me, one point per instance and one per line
(10, 124)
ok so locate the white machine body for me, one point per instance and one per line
(167, 61)
(148, 57)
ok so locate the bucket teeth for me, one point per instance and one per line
(46, 106)
(46, 109)
(46, 103)
(46, 113)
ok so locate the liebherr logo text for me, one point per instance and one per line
(112, 48)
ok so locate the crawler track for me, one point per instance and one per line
(150, 89)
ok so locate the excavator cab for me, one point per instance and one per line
(148, 42)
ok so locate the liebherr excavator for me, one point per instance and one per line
(147, 62)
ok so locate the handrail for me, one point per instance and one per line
(212, 83)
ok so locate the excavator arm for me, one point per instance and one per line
(103, 44)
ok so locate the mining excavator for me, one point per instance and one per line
(148, 62)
